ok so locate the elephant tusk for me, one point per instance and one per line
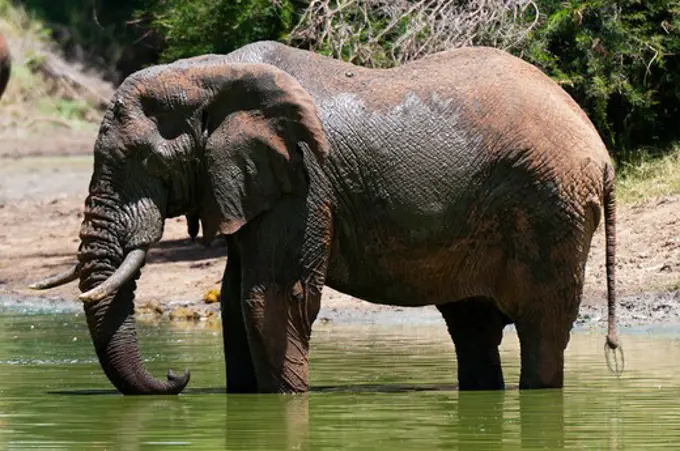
(132, 263)
(60, 279)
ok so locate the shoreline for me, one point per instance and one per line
(645, 310)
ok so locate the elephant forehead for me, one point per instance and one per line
(168, 86)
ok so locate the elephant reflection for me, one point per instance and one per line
(491, 420)
(202, 419)
(453, 420)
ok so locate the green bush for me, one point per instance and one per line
(208, 26)
(620, 61)
(86, 22)
(100, 34)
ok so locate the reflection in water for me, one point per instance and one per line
(542, 419)
(480, 421)
(267, 422)
(373, 388)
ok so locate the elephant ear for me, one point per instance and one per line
(255, 127)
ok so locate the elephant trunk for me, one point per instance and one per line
(111, 319)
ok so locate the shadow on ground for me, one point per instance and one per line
(186, 250)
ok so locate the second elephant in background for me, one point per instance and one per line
(5, 64)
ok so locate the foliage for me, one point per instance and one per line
(33, 97)
(384, 33)
(619, 60)
(207, 26)
(101, 34)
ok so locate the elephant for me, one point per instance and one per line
(467, 180)
(5, 64)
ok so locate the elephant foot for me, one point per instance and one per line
(240, 370)
(240, 381)
(279, 320)
(476, 327)
(542, 349)
(542, 369)
(241, 376)
(479, 369)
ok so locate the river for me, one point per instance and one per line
(389, 386)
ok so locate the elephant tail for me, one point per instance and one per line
(612, 343)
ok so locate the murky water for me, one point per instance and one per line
(375, 387)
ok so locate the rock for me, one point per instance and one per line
(155, 306)
(184, 314)
(212, 319)
(152, 307)
(211, 296)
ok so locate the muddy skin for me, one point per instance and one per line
(466, 180)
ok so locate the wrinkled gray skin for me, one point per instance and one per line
(466, 180)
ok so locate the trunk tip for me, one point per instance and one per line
(178, 382)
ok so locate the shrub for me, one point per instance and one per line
(100, 34)
(207, 26)
(384, 33)
(619, 60)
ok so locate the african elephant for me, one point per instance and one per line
(467, 180)
(5, 64)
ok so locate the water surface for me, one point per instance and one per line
(374, 387)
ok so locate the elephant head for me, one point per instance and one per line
(5, 64)
(205, 137)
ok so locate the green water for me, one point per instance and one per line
(374, 387)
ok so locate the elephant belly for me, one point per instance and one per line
(414, 275)
(499, 250)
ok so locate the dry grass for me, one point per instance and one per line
(34, 100)
(649, 178)
(354, 30)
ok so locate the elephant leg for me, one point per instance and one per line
(543, 330)
(241, 376)
(476, 327)
(279, 321)
(284, 257)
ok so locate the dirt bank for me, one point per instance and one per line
(41, 196)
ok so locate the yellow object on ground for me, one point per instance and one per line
(211, 296)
